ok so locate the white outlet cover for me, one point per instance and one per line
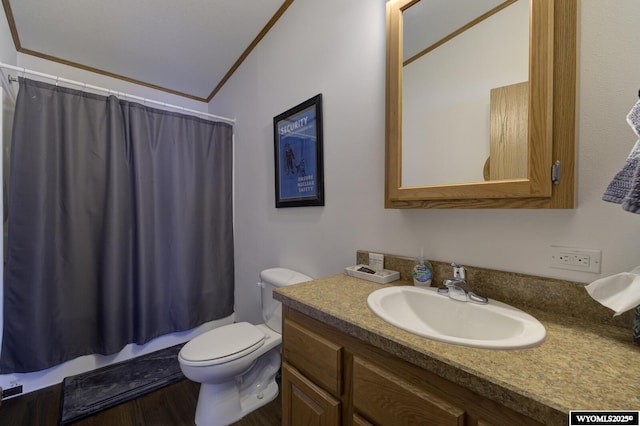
(560, 252)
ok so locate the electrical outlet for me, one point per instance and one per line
(576, 259)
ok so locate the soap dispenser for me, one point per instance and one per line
(422, 272)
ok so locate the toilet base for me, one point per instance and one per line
(253, 402)
(220, 404)
(224, 411)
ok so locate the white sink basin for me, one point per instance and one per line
(424, 312)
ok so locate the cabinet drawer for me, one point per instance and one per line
(316, 357)
(388, 400)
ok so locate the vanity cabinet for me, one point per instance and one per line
(330, 378)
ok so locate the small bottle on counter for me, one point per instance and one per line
(422, 272)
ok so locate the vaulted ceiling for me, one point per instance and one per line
(185, 47)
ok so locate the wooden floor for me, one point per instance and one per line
(173, 405)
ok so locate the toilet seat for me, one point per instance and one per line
(222, 344)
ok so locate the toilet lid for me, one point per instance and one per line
(229, 342)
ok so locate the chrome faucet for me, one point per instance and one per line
(454, 288)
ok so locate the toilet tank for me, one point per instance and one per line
(270, 279)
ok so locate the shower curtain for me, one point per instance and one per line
(120, 226)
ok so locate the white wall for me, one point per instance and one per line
(338, 48)
(79, 75)
(7, 49)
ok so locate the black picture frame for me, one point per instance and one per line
(298, 153)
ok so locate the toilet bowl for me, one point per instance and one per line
(237, 364)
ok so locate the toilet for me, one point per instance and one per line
(237, 364)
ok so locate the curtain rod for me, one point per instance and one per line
(109, 91)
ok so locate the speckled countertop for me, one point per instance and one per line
(579, 366)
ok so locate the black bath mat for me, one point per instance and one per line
(88, 393)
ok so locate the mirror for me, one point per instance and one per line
(480, 103)
(458, 75)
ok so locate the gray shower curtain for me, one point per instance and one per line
(120, 226)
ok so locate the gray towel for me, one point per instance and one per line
(625, 187)
(622, 182)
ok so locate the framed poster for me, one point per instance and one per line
(297, 136)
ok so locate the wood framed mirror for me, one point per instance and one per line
(543, 175)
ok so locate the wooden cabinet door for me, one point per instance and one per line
(304, 403)
(388, 400)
